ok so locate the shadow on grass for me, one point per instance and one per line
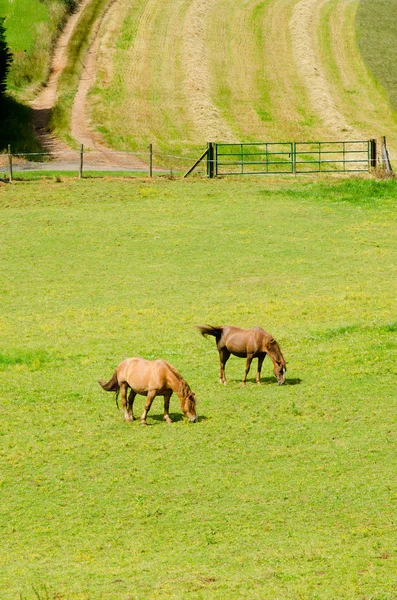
(269, 381)
(176, 417)
(293, 381)
(16, 127)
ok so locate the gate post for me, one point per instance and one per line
(211, 160)
(386, 164)
(294, 157)
(372, 163)
(9, 164)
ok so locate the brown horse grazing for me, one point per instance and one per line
(246, 343)
(150, 378)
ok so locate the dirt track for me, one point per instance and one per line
(98, 154)
(45, 101)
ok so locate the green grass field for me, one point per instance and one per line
(276, 493)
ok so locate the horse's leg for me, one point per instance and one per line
(131, 399)
(224, 355)
(260, 363)
(247, 367)
(149, 399)
(167, 397)
(124, 390)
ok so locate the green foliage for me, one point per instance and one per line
(5, 60)
(277, 492)
(32, 27)
(70, 4)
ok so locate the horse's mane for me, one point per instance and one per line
(185, 390)
(274, 351)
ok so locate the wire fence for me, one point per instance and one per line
(216, 160)
(82, 163)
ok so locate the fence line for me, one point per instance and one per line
(218, 159)
(81, 162)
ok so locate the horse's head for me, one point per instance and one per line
(189, 407)
(279, 370)
(279, 364)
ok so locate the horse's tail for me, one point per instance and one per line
(210, 330)
(111, 386)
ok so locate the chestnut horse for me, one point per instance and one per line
(249, 344)
(150, 378)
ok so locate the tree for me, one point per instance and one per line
(71, 4)
(5, 59)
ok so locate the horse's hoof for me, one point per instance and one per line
(144, 423)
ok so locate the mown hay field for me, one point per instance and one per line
(180, 73)
(277, 492)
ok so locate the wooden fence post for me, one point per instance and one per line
(9, 163)
(150, 160)
(81, 161)
(385, 157)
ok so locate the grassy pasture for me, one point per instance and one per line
(278, 492)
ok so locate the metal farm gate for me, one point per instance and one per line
(290, 157)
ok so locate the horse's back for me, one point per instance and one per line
(135, 371)
(142, 374)
(128, 364)
(238, 341)
(242, 342)
(230, 332)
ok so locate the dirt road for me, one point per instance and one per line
(98, 154)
